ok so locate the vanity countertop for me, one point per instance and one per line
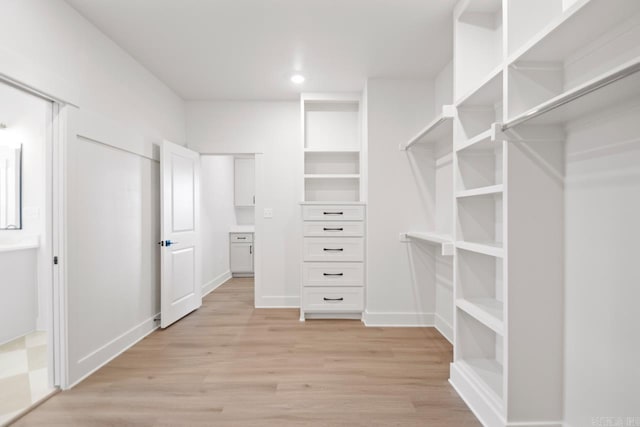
(242, 229)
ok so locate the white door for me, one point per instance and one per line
(180, 175)
(244, 182)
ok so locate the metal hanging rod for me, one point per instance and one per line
(579, 93)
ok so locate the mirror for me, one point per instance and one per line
(10, 186)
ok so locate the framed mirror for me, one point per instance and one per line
(10, 186)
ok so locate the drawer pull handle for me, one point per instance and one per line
(333, 249)
(334, 299)
(333, 229)
(334, 213)
(333, 274)
(241, 238)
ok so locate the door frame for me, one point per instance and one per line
(60, 130)
(258, 219)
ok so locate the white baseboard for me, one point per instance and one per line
(399, 319)
(284, 301)
(95, 360)
(444, 328)
(212, 284)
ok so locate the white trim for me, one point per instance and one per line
(284, 301)
(214, 283)
(23, 73)
(399, 319)
(485, 412)
(444, 327)
(114, 348)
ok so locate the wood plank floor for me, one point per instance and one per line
(229, 364)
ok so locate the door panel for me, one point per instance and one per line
(181, 290)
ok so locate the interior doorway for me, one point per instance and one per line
(27, 354)
(230, 232)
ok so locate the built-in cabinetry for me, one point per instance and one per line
(524, 70)
(241, 254)
(244, 182)
(333, 214)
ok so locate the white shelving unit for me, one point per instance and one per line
(438, 129)
(333, 211)
(443, 241)
(517, 91)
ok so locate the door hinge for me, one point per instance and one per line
(55, 260)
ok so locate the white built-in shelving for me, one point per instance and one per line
(517, 93)
(332, 152)
(443, 241)
(438, 129)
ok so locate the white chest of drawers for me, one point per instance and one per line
(333, 271)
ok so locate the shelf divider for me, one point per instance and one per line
(442, 240)
(487, 311)
(491, 249)
(481, 191)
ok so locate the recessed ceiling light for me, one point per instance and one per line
(297, 79)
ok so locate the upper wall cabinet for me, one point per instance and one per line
(244, 182)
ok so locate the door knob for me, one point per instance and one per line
(167, 243)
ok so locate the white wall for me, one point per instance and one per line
(401, 194)
(216, 219)
(27, 118)
(113, 303)
(602, 331)
(271, 128)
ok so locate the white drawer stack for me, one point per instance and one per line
(333, 260)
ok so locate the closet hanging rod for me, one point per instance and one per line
(579, 93)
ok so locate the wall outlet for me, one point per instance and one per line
(268, 213)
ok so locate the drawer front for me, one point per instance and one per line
(333, 299)
(333, 249)
(333, 229)
(333, 213)
(241, 237)
(333, 274)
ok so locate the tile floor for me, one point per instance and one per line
(23, 374)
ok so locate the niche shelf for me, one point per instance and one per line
(438, 129)
(487, 311)
(493, 249)
(332, 153)
(481, 191)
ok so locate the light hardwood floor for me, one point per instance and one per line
(229, 364)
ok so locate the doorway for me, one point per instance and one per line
(230, 234)
(27, 365)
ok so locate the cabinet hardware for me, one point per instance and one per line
(251, 249)
(241, 238)
(333, 213)
(333, 274)
(333, 229)
(334, 299)
(333, 249)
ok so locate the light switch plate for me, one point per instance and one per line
(268, 213)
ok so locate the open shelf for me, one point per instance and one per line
(487, 311)
(442, 240)
(611, 88)
(438, 129)
(330, 151)
(487, 373)
(488, 91)
(331, 176)
(579, 25)
(493, 249)
(481, 191)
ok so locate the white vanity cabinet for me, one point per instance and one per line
(241, 254)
